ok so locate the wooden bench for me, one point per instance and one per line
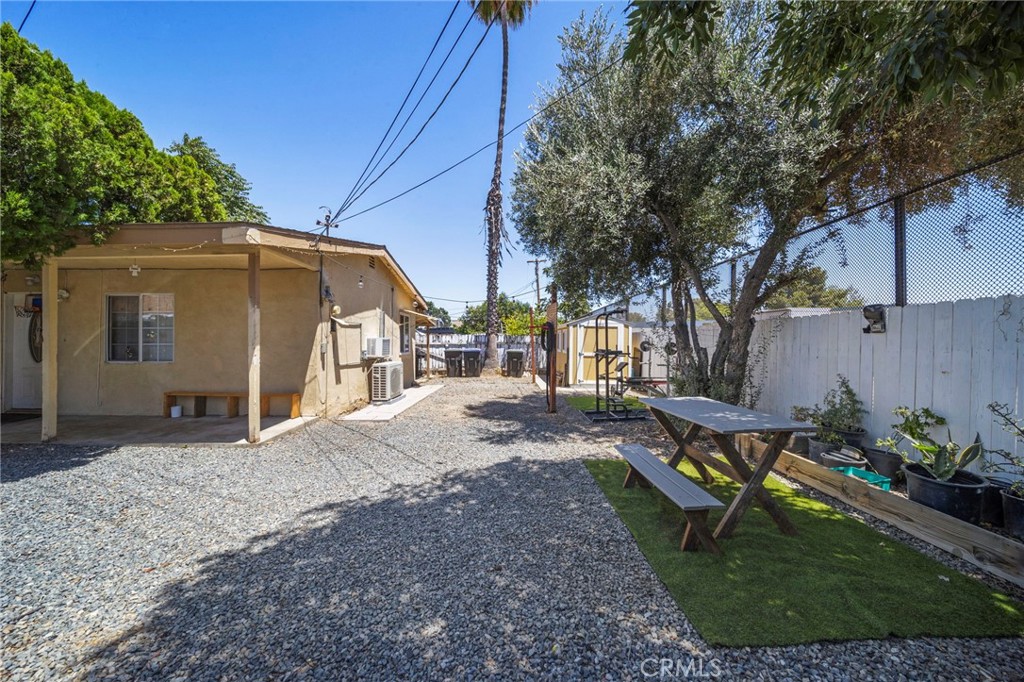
(695, 502)
(232, 397)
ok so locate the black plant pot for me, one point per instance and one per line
(816, 448)
(841, 459)
(797, 444)
(992, 506)
(884, 463)
(960, 497)
(1013, 514)
(852, 437)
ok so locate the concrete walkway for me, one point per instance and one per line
(382, 412)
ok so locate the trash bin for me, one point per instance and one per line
(453, 362)
(514, 363)
(472, 360)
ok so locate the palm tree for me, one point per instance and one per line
(508, 13)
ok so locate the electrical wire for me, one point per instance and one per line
(485, 147)
(25, 18)
(412, 88)
(490, 24)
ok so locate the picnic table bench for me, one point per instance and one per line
(695, 502)
(721, 421)
(232, 397)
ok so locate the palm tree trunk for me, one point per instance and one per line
(495, 226)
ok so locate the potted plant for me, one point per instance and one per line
(886, 459)
(843, 412)
(838, 421)
(1011, 494)
(940, 480)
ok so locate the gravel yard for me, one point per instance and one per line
(462, 540)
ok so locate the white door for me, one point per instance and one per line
(25, 374)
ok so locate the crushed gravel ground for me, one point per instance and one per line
(463, 540)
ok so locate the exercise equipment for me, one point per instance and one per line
(611, 405)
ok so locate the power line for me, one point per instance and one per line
(485, 147)
(405, 101)
(361, 184)
(25, 18)
(432, 114)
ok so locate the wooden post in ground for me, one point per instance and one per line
(552, 317)
(254, 347)
(50, 341)
(533, 355)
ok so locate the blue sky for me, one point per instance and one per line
(297, 95)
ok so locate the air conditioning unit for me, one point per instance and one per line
(378, 347)
(386, 381)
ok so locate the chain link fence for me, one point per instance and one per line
(959, 238)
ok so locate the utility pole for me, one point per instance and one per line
(536, 273)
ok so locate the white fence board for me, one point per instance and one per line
(955, 358)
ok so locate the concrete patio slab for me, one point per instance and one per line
(385, 411)
(157, 431)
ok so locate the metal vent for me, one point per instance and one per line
(378, 347)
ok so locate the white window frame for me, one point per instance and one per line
(404, 334)
(106, 324)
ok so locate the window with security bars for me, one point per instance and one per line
(140, 328)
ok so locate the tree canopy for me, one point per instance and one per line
(513, 315)
(75, 165)
(440, 313)
(232, 188)
(631, 177)
(813, 291)
(869, 57)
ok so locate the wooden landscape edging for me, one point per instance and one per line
(994, 553)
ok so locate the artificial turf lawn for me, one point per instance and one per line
(837, 580)
(586, 402)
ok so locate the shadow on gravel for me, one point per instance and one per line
(516, 570)
(26, 461)
(524, 418)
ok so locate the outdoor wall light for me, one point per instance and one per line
(875, 315)
(360, 281)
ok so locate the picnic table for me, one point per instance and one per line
(721, 421)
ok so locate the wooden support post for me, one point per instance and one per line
(50, 341)
(428, 350)
(552, 317)
(254, 347)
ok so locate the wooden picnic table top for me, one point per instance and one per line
(724, 418)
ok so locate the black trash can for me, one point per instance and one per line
(472, 360)
(453, 362)
(514, 362)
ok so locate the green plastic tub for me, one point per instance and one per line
(871, 477)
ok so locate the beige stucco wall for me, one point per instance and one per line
(211, 345)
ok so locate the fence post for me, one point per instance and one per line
(899, 205)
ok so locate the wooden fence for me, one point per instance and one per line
(954, 357)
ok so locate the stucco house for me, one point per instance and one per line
(205, 307)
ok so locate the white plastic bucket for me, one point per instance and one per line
(175, 411)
